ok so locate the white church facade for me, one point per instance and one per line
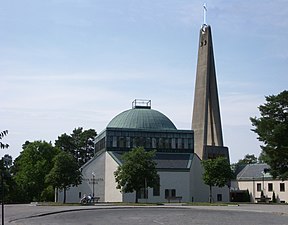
(179, 168)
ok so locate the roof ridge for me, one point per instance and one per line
(240, 174)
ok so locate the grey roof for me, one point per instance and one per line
(142, 118)
(253, 171)
(165, 160)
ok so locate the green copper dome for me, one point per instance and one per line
(142, 118)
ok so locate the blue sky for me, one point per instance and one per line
(78, 63)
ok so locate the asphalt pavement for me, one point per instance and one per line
(33, 214)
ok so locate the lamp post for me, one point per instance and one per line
(2, 185)
(93, 184)
(5, 162)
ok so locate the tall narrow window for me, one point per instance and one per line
(282, 187)
(154, 143)
(166, 193)
(219, 197)
(270, 187)
(259, 187)
(127, 142)
(173, 193)
(156, 188)
(114, 141)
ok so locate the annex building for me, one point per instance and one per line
(178, 152)
(258, 183)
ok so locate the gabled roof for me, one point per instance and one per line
(254, 171)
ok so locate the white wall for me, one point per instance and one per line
(199, 190)
(96, 165)
(252, 188)
(175, 180)
(168, 180)
(112, 194)
(188, 184)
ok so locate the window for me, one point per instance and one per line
(148, 143)
(161, 143)
(259, 187)
(154, 142)
(270, 187)
(170, 193)
(127, 142)
(114, 144)
(179, 143)
(173, 143)
(122, 142)
(166, 193)
(185, 143)
(173, 193)
(282, 187)
(156, 188)
(219, 197)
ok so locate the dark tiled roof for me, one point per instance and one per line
(253, 171)
(165, 160)
(142, 118)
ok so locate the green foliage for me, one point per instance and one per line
(5, 171)
(80, 144)
(217, 172)
(2, 134)
(272, 129)
(248, 159)
(138, 169)
(274, 200)
(247, 196)
(31, 167)
(65, 172)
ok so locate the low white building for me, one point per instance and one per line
(178, 166)
(256, 179)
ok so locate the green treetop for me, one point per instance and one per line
(138, 171)
(272, 129)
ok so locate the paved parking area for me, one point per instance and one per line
(14, 213)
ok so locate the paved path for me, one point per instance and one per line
(32, 214)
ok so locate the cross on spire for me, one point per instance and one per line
(204, 13)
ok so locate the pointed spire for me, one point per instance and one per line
(206, 120)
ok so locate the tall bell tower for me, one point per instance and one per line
(206, 119)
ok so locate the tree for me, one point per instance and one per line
(248, 159)
(217, 172)
(31, 167)
(65, 173)
(138, 171)
(8, 183)
(272, 128)
(2, 134)
(80, 144)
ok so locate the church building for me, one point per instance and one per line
(178, 152)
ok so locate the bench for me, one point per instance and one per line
(170, 198)
(262, 200)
